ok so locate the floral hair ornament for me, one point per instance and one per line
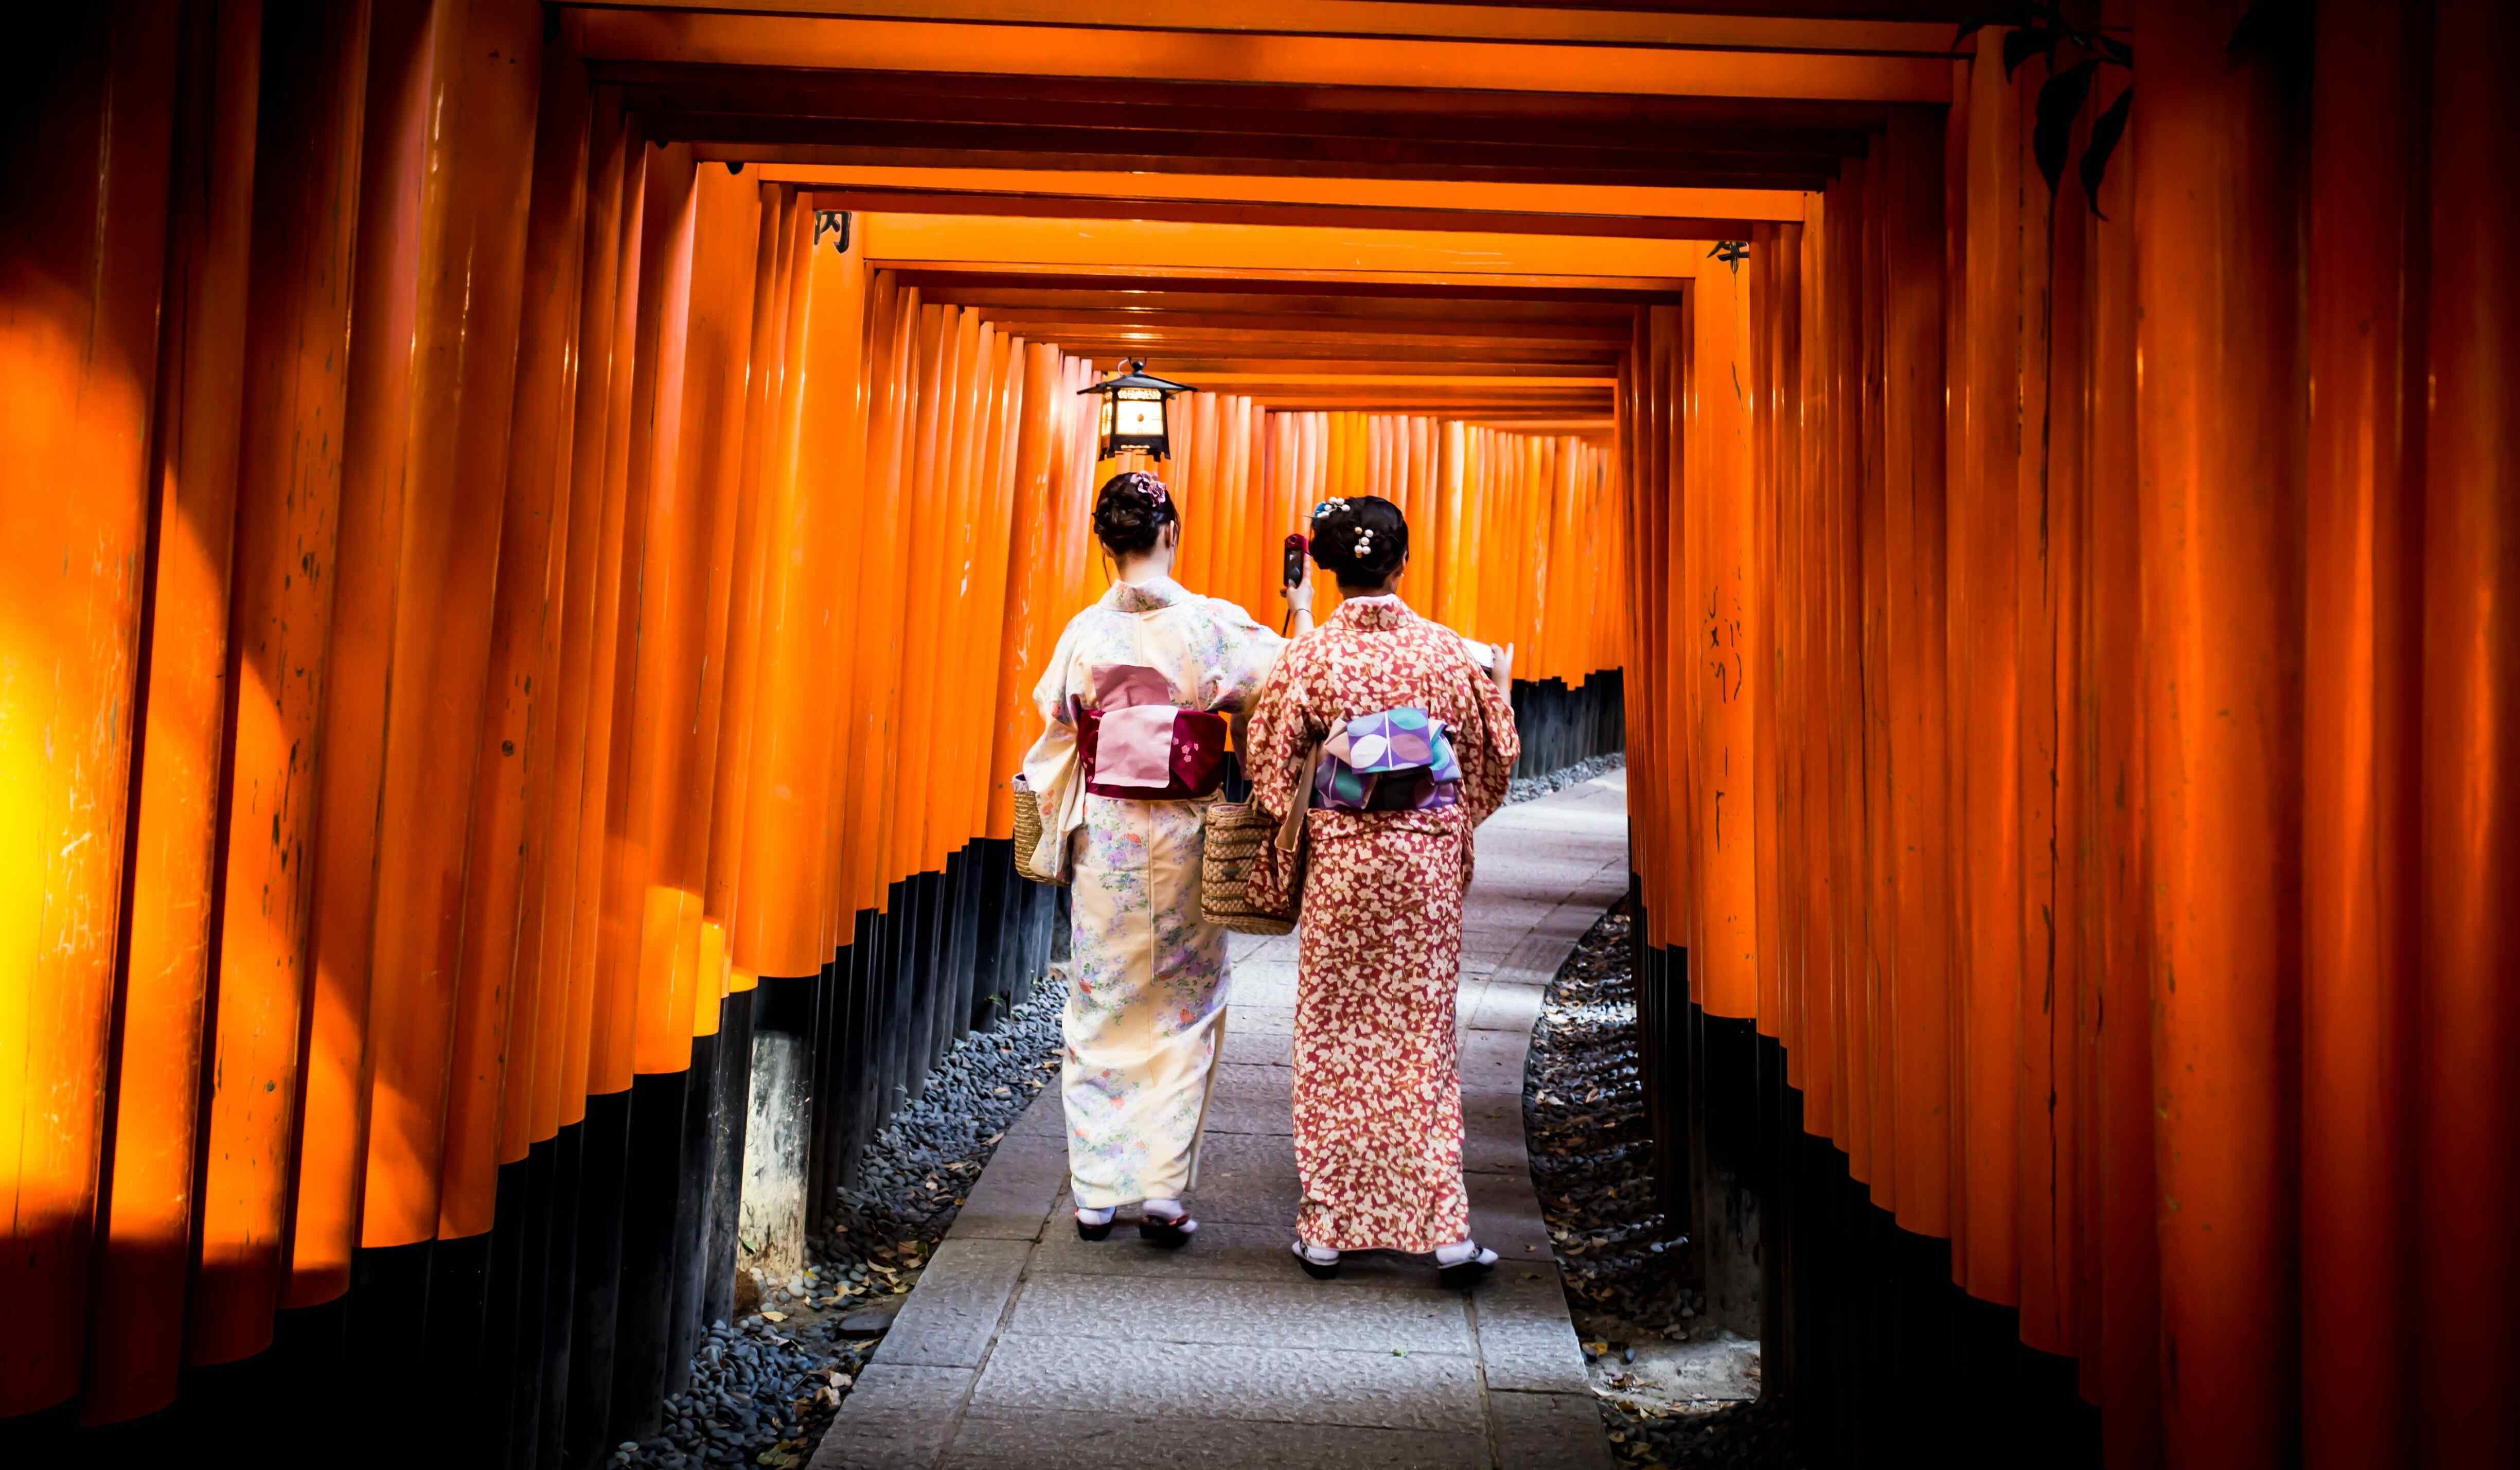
(1148, 485)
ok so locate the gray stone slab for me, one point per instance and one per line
(1244, 1024)
(1491, 1150)
(1526, 1336)
(1047, 1116)
(1010, 1200)
(1289, 1312)
(1246, 1178)
(1504, 1217)
(896, 1418)
(1273, 1049)
(1066, 1438)
(1262, 984)
(1495, 1108)
(1259, 948)
(1254, 1080)
(1038, 1149)
(1250, 1098)
(1508, 1006)
(1224, 1250)
(1422, 1390)
(1494, 1059)
(1550, 1432)
(955, 1311)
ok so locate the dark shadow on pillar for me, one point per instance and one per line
(592, 1347)
(559, 1299)
(689, 1240)
(652, 1182)
(729, 1102)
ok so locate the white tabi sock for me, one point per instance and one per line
(1460, 1251)
(1094, 1217)
(1168, 1212)
(1319, 1255)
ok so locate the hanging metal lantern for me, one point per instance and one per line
(1136, 409)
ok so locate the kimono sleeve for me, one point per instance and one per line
(1282, 734)
(1050, 766)
(1049, 695)
(1242, 654)
(1487, 744)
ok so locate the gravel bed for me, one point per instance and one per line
(1673, 1393)
(1533, 787)
(764, 1388)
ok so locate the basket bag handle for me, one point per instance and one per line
(1291, 832)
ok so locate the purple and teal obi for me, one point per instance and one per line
(1399, 760)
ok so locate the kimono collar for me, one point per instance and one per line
(1375, 614)
(1147, 596)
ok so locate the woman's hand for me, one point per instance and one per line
(1503, 673)
(1299, 602)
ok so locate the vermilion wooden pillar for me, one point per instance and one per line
(734, 764)
(1984, 673)
(886, 513)
(1919, 967)
(183, 698)
(670, 529)
(83, 180)
(2222, 416)
(2366, 328)
(607, 946)
(501, 88)
(728, 281)
(2117, 932)
(289, 489)
(584, 714)
(404, 83)
(455, 450)
(541, 451)
(2466, 1100)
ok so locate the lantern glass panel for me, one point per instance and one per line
(1141, 413)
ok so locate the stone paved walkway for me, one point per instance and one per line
(1023, 1346)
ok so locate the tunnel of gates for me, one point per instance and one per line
(541, 614)
(528, 533)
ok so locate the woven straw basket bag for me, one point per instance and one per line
(1028, 837)
(1236, 830)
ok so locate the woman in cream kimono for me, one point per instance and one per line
(1136, 704)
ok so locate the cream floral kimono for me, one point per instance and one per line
(1147, 991)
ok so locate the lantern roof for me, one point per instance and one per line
(1136, 378)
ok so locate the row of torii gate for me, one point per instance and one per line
(527, 527)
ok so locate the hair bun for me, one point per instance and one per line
(1131, 513)
(1361, 539)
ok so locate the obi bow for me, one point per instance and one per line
(1140, 744)
(1395, 760)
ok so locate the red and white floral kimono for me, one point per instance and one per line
(1378, 1073)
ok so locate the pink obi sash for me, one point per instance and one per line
(1140, 745)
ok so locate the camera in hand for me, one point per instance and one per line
(1296, 547)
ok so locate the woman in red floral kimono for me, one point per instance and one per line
(1418, 742)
